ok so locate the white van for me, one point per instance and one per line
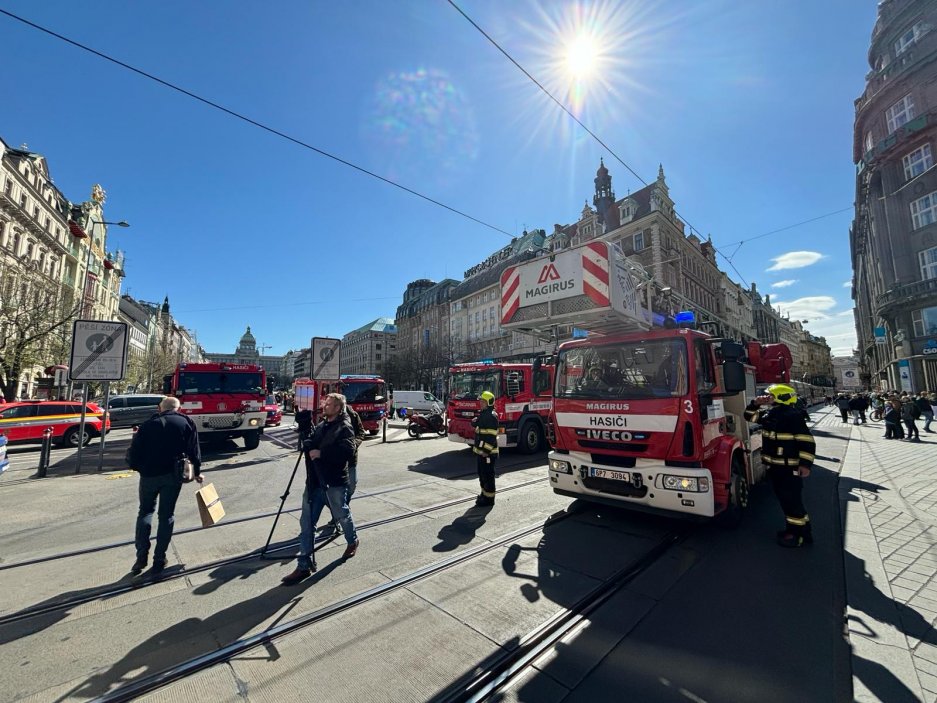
(421, 401)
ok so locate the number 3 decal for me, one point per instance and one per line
(688, 407)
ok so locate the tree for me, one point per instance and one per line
(35, 313)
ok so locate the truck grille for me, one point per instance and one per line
(368, 415)
(618, 488)
(222, 422)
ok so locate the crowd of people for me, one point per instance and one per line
(900, 411)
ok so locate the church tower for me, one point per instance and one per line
(604, 196)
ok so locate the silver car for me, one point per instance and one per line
(135, 409)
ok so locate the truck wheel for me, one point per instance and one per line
(731, 517)
(530, 437)
(252, 440)
(70, 438)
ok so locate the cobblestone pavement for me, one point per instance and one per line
(889, 496)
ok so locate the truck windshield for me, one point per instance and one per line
(632, 370)
(363, 392)
(219, 382)
(468, 385)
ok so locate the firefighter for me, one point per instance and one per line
(788, 450)
(486, 448)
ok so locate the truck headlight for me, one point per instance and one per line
(689, 484)
(563, 467)
(254, 422)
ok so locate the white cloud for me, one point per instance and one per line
(784, 284)
(845, 313)
(811, 308)
(795, 260)
(847, 284)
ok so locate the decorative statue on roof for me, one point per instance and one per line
(98, 194)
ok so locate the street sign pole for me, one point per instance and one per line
(107, 397)
(81, 426)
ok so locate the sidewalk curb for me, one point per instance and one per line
(871, 640)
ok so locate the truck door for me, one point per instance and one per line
(711, 410)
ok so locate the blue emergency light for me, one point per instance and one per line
(685, 318)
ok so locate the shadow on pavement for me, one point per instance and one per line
(461, 531)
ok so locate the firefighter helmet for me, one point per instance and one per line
(488, 397)
(783, 394)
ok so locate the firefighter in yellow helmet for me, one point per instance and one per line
(486, 448)
(788, 450)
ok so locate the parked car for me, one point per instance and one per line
(132, 409)
(274, 413)
(23, 421)
(421, 401)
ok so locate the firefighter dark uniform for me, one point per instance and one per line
(788, 446)
(486, 448)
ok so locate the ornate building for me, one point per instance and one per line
(54, 269)
(246, 353)
(423, 341)
(893, 238)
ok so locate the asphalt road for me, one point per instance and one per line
(723, 616)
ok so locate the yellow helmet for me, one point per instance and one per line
(488, 397)
(783, 394)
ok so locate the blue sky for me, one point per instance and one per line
(748, 106)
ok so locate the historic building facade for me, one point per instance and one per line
(246, 353)
(893, 238)
(54, 269)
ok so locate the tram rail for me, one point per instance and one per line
(127, 587)
(160, 679)
(247, 518)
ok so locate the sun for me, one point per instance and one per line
(581, 57)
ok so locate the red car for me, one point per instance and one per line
(23, 421)
(274, 413)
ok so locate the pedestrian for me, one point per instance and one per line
(926, 412)
(789, 451)
(328, 452)
(877, 407)
(842, 402)
(154, 453)
(893, 420)
(486, 448)
(910, 413)
(358, 427)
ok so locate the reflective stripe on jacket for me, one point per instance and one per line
(787, 441)
(486, 433)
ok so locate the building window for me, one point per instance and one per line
(638, 240)
(900, 113)
(917, 162)
(906, 40)
(377, 346)
(925, 321)
(869, 142)
(924, 210)
(928, 259)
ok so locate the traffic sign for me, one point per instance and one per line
(326, 355)
(99, 351)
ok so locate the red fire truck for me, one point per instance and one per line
(224, 400)
(523, 397)
(366, 394)
(646, 418)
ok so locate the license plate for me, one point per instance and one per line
(608, 473)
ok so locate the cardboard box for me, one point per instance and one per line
(209, 505)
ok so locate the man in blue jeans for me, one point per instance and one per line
(328, 453)
(155, 449)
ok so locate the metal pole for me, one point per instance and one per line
(107, 396)
(45, 452)
(81, 425)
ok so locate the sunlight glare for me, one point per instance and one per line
(581, 57)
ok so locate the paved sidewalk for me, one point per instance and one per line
(888, 495)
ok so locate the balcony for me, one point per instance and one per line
(903, 295)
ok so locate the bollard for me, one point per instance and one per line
(45, 453)
(384, 430)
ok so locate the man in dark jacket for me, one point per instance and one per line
(154, 453)
(789, 451)
(329, 450)
(358, 427)
(486, 448)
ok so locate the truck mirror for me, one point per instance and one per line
(731, 351)
(167, 385)
(538, 362)
(733, 377)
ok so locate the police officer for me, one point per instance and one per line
(789, 451)
(486, 448)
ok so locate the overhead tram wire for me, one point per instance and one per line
(253, 122)
(610, 150)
